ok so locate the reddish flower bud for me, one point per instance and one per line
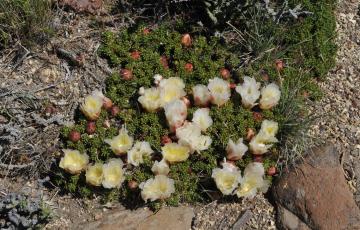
(186, 101)
(90, 127)
(74, 136)
(279, 65)
(225, 73)
(164, 62)
(189, 67)
(165, 140)
(186, 40)
(107, 103)
(250, 134)
(271, 171)
(146, 31)
(265, 76)
(135, 55)
(232, 85)
(126, 74)
(257, 116)
(106, 124)
(114, 110)
(133, 185)
(258, 158)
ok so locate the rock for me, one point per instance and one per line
(315, 195)
(174, 218)
(123, 219)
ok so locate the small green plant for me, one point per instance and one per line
(24, 20)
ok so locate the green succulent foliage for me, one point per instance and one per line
(192, 177)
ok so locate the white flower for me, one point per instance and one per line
(157, 79)
(160, 168)
(171, 89)
(235, 151)
(92, 105)
(113, 174)
(120, 143)
(150, 99)
(227, 178)
(270, 96)
(268, 130)
(175, 112)
(138, 151)
(249, 92)
(94, 174)
(174, 152)
(220, 91)
(253, 181)
(201, 95)
(258, 144)
(73, 161)
(202, 118)
(190, 134)
(160, 187)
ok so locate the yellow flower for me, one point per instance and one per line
(160, 187)
(173, 152)
(73, 161)
(138, 151)
(202, 118)
(201, 95)
(253, 181)
(268, 130)
(249, 92)
(175, 113)
(160, 168)
(270, 96)
(227, 178)
(120, 143)
(258, 144)
(219, 90)
(190, 135)
(94, 174)
(150, 99)
(171, 89)
(235, 151)
(113, 174)
(92, 105)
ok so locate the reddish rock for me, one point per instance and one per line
(89, 6)
(316, 192)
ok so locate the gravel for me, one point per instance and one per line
(340, 107)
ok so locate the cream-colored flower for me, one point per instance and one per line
(174, 152)
(160, 187)
(249, 92)
(268, 130)
(270, 96)
(190, 135)
(120, 143)
(94, 174)
(171, 89)
(160, 168)
(201, 95)
(113, 173)
(219, 90)
(92, 105)
(258, 144)
(235, 151)
(202, 118)
(175, 113)
(73, 161)
(226, 178)
(253, 181)
(150, 99)
(135, 155)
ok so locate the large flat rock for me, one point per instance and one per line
(315, 194)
